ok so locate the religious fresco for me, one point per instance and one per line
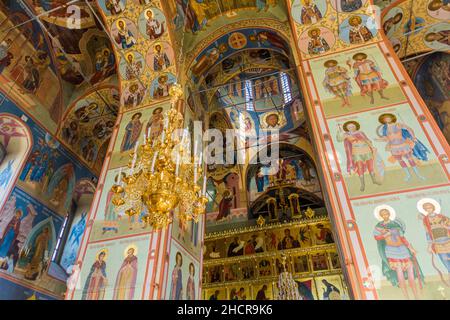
(16, 141)
(27, 67)
(142, 47)
(194, 21)
(389, 135)
(133, 126)
(415, 27)
(355, 81)
(88, 125)
(110, 222)
(433, 83)
(316, 26)
(183, 282)
(28, 237)
(50, 172)
(384, 168)
(114, 270)
(415, 218)
(44, 180)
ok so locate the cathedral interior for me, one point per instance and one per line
(354, 94)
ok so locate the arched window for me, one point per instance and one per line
(286, 87)
(249, 95)
(16, 141)
(69, 239)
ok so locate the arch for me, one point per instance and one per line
(17, 139)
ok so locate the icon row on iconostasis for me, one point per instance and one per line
(330, 287)
(269, 267)
(269, 240)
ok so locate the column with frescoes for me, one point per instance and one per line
(386, 163)
(121, 257)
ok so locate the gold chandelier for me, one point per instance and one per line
(159, 184)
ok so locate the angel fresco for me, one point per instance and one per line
(316, 43)
(368, 76)
(402, 143)
(361, 155)
(398, 257)
(337, 81)
(437, 231)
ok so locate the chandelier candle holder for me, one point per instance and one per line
(162, 178)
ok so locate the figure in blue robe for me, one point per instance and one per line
(10, 235)
(5, 175)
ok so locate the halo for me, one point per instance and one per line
(130, 54)
(159, 43)
(329, 62)
(131, 246)
(356, 123)
(384, 115)
(104, 250)
(421, 202)
(146, 11)
(377, 210)
(357, 18)
(117, 23)
(314, 29)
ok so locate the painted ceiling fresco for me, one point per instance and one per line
(415, 27)
(50, 64)
(197, 21)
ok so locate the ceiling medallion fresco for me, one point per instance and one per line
(195, 20)
(415, 27)
(139, 31)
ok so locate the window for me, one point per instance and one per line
(286, 87)
(60, 238)
(249, 95)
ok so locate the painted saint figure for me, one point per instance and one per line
(176, 288)
(110, 223)
(368, 76)
(398, 257)
(402, 143)
(162, 87)
(225, 205)
(350, 5)
(133, 68)
(310, 14)
(38, 254)
(114, 6)
(442, 37)
(10, 234)
(437, 230)
(126, 278)
(337, 81)
(124, 36)
(96, 282)
(132, 132)
(190, 284)
(153, 27)
(316, 43)
(160, 60)
(360, 153)
(155, 124)
(359, 33)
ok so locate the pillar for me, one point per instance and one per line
(383, 156)
(114, 243)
